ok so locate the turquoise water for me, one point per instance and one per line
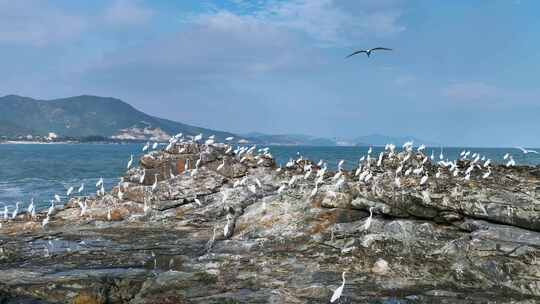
(40, 171)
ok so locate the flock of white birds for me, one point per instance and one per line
(411, 163)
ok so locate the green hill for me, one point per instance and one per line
(86, 115)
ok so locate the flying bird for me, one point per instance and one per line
(368, 51)
(525, 151)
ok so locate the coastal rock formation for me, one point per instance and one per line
(224, 226)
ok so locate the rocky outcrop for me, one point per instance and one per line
(292, 231)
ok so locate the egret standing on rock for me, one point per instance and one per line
(339, 290)
(146, 146)
(368, 51)
(130, 162)
(81, 188)
(367, 224)
(141, 180)
(154, 186)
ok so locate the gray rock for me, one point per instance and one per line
(448, 241)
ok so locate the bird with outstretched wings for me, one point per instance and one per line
(368, 51)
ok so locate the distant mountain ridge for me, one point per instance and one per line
(88, 115)
(307, 140)
(381, 140)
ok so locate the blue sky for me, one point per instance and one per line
(462, 73)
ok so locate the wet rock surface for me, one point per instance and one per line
(224, 226)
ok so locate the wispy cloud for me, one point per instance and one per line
(481, 94)
(471, 91)
(36, 23)
(327, 22)
(127, 13)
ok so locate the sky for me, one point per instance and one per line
(461, 73)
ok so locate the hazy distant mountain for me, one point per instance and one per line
(290, 139)
(381, 140)
(87, 116)
(306, 140)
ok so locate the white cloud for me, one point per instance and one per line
(481, 93)
(328, 22)
(471, 91)
(36, 23)
(403, 80)
(127, 13)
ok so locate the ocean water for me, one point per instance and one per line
(40, 171)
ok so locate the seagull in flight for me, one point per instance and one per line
(368, 51)
(525, 151)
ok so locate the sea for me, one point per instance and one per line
(39, 171)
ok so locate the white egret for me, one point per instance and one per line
(340, 164)
(408, 171)
(141, 179)
(367, 224)
(31, 210)
(146, 146)
(198, 202)
(441, 156)
(51, 209)
(6, 213)
(421, 148)
(252, 189)
(221, 166)
(154, 186)
(487, 163)
(99, 182)
(424, 179)
(154, 146)
(57, 198)
(314, 191)
(486, 175)
(81, 188)
(406, 158)
(525, 151)
(130, 162)
(45, 222)
(16, 211)
(226, 230)
(379, 161)
(339, 290)
(511, 162)
(69, 191)
(506, 156)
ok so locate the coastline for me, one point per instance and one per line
(297, 217)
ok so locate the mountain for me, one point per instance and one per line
(87, 115)
(290, 139)
(307, 140)
(381, 140)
